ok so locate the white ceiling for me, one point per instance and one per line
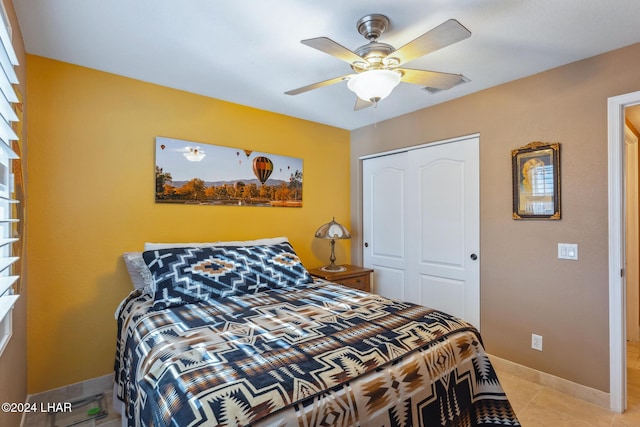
(249, 52)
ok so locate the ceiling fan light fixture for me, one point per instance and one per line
(374, 85)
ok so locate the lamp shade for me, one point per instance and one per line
(373, 85)
(332, 230)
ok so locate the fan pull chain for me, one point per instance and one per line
(375, 115)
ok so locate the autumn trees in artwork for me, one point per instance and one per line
(197, 190)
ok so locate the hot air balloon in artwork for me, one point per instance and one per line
(262, 168)
(248, 153)
(193, 154)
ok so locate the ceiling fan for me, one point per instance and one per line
(377, 65)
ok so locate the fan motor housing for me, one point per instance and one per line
(374, 53)
(371, 27)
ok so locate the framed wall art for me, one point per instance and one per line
(195, 173)
(536, 181)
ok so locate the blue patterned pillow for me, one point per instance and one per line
(185, 275)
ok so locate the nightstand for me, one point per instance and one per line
(354, 277)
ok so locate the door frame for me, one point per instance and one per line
(419, 146)
(631, 234)
(617, 298)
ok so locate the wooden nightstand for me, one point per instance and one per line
(354, 277)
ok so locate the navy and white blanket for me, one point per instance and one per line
(306, 355)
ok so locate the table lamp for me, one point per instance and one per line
(332, 230)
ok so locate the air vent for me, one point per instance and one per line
(434, 90)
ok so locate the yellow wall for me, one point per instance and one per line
(91, 198)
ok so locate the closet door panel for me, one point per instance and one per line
(444, 224)
(441, 216)
(444, 294)
(384, 230)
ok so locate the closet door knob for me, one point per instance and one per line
(474, 257)
(366, 245)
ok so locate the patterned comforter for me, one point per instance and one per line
(318, 354)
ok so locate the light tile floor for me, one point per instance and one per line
(535, 405)
(539, 406)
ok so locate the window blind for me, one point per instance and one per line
(8, 78)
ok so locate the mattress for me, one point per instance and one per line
(314, 354)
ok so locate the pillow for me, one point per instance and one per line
(269, 241)
(140, 274)
(187, 275)
(138, 271)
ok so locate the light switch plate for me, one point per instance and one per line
(568, 251)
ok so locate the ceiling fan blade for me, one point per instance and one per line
(332, 48)
(317, 85)
(361, 104)
(430, 78)
(445, 34)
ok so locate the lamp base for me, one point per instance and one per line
(333, 268)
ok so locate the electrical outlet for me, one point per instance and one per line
(536, 342)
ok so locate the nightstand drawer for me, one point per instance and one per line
(351, 275)
(361, 282)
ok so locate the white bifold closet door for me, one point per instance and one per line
(421, 225)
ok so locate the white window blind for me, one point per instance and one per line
(8, 78)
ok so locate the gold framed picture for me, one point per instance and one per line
(536, 181)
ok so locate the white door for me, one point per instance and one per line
(444, 224)
(421, 223)
(384, 211)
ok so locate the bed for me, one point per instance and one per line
(235, 335)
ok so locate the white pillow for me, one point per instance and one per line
(269, 241)
(138, 270)
(140, 274)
